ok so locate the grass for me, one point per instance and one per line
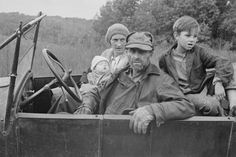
(77, 58)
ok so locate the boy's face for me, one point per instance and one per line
(118, 43)
(139, 59)
(187, 39)
(102, 66)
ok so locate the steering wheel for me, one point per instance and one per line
(49, 57)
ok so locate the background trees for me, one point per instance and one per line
(216, 17)
(75, 41)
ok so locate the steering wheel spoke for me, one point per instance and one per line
(49, 57)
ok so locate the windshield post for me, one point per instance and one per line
(13, 77)
(36, 36)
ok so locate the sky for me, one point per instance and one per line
(65, 8)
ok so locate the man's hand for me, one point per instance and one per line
(233, 111)
(83, 110)
(219, 91)
(140, 120)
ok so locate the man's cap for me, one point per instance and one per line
(114, 29)
(140, 40)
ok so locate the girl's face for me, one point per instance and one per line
(118, 43)
(102, 67)
(187, 39)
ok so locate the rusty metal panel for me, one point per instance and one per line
(232, 143)
(119, 141)
(8, 142)
(11, 142)
(106, 136)
(195, 137)
(59, 137)
(191, 138)
(2, 143)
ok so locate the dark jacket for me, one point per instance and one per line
(197, 61)
(156, 89)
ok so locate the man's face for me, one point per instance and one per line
(118, 43)
(187, 39)
(139, 59)
(102, 67)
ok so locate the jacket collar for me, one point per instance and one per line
(169, 51)
(189, 60)
(151, 70)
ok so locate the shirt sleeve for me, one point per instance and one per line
(222, 65)
(172, 105)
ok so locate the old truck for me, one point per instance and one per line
(27, 130)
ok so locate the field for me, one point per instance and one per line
(76, 58)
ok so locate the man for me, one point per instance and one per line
(141, 90)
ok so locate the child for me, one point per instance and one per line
(100, 71)
(116, 39)
(187, 62)
(231, 93)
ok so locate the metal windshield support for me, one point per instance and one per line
(24, 28)
(18, 34)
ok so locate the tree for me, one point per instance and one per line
(116, 11)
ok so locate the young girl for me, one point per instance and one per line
(100, 71)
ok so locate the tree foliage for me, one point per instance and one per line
(73, 40)
(158, 16)
(81, 39)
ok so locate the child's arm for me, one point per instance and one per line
(223, 66)
(219, 90)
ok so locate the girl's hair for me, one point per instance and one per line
(185, 23)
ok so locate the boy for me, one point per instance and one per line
(187, 62)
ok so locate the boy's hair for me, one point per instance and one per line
(185, 23)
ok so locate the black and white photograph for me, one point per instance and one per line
(118, 78)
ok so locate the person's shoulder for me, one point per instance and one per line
(165, 55)
(154, 72)
(168, 51)
(162, 80)
(200, 49)
(107, 53)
